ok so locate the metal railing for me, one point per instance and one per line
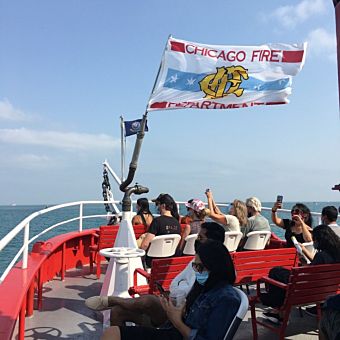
(25, 225)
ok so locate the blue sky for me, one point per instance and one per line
(69, 69)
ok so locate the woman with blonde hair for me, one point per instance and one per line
(236, 218)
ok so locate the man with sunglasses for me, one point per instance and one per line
(147, 310)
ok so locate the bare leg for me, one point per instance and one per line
(139, 310)
(112, 333)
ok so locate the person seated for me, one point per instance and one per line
(329, 215)
(327, 244)
(197, 212)
(164, 224)
(147, 310)
(256, 222)
(231, 222)
(143, 216)
(174, 208)
(186, 219)
(210, 307)
(329, 327)
(300, 225)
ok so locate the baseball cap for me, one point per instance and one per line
(157, 199)
(254, 203)
(195, 204)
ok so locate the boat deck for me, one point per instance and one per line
(65, 316)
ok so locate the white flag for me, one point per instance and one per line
(200, 76)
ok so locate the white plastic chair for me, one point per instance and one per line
(164, 245)
(241, 313)
(257, 240)
(189, 248)
(232, 240)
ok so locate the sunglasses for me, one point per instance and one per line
(296, 212)
(197, 267)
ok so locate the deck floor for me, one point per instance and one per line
(65, 316)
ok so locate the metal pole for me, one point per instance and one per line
(337, 24)
(122, 148)
(25, 251)
(81, 217)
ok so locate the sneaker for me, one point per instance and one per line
(312, 311)
(273, 317)
(97, 302)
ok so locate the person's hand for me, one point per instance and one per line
(174, 313)
(277, 205)
(298, 220)
(208, 193)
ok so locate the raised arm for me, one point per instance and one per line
(277, 220)
(306, 229)
(215, 212)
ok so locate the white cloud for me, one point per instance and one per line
(322, 43)
(290, 16)
(60, 140)
(8, 112)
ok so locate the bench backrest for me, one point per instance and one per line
(107, 236)
(312, 284)
(165, 270)
(252, 265)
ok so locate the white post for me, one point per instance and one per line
(81, 217)
(25, 252)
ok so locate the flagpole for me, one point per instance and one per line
(122, 147)
(137, 189)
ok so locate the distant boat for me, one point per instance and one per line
(13, 205)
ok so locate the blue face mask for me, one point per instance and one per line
(201, 278)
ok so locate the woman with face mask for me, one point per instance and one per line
(210, 307)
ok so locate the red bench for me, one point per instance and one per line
(162, 271)
(307, 285)
(249, 265)
(106, 239)
(252, 265)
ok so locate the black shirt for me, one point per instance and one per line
(322, 257)
(287, 225)
(164, 225)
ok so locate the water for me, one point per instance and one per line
(10, 216)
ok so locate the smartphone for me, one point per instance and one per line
(279, 199)
(160, 288)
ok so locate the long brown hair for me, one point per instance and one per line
(240, 211)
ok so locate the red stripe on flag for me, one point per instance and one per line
(177, 46)
(159, 105)
(292, 56)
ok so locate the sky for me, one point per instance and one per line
(70, 69)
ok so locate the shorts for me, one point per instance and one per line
(148, 333)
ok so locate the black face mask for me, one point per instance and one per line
(197, 245)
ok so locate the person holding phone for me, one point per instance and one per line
(300, 224)
(236, 217)
(146, 309)
(210, 307)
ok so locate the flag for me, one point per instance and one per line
(133, 126)
(199, 76)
